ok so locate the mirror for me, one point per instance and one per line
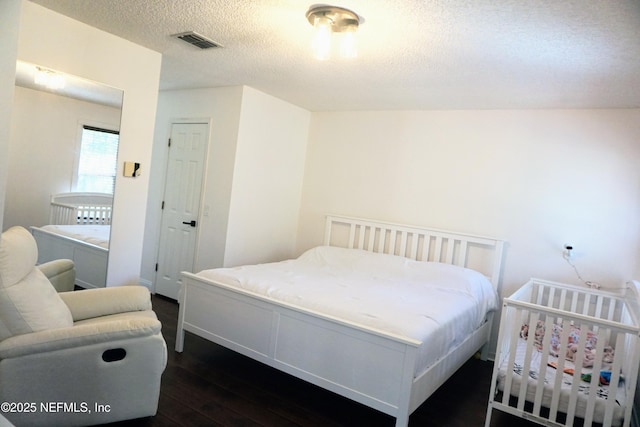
(63, 141)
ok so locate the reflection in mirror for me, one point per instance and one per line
(62, 166)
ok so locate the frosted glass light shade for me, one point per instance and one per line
(333, 25)
(321, 44)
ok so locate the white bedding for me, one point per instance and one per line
(94, 234)
(436, 304)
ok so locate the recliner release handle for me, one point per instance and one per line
(114, 354)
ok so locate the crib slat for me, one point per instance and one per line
(615, 380)
(555, 399)
(597, 366)
(575, 384)
(579, 355)
(574, 302)
(513, 341)
(587, 302)
(563, 299)
(546, 344)
(551, 300)
(526, 366)
(599, 302)
(541, 289)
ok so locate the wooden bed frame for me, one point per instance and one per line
(375, 368)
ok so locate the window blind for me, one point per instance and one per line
(98, 160)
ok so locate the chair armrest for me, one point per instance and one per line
(61, 273)
(89, 303)
(78, 336)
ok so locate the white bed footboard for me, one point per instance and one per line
(90, 260)
(375, 368)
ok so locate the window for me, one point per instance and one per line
(98, 160)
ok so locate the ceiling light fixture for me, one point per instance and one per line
(328, 20)
(49, 79)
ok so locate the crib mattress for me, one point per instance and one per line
(549, 373)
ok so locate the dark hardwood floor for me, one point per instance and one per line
(208, 385)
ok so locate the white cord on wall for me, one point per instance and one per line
(566, 254)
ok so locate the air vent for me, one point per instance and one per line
(197, 40)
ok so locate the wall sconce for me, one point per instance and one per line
(49, 79)
(328, 20)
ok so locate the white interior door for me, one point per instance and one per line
(181, 205)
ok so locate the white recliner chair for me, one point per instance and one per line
(74, 358)
(61, 274)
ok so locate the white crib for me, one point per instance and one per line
(558, 347)
(80, 208)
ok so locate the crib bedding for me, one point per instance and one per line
(602, 391)
(94, 234)
(437, 304)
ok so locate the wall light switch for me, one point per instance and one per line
(131, 169)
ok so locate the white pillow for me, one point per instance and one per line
(28, 301)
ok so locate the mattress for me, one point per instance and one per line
(434, 303)
(549, 373)
(94, 234)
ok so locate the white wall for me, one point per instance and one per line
(538, 179)
(221, 108)
(43, 150)
(53, 40)
(267, 180)
(253, 176)
(9, 25)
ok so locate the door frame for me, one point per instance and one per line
(205, 169)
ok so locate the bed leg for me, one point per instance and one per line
(402, 421)
(180, 326)
(179, 340)
(180, 330)
(484, 352)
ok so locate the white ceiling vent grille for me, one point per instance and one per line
(197, 40)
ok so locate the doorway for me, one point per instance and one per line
(181, 205)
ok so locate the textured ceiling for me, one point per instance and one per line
(413, 54)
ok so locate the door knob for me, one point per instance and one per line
(191, 223)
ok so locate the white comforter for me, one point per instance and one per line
(436, 304)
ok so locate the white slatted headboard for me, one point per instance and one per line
(483, 254)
